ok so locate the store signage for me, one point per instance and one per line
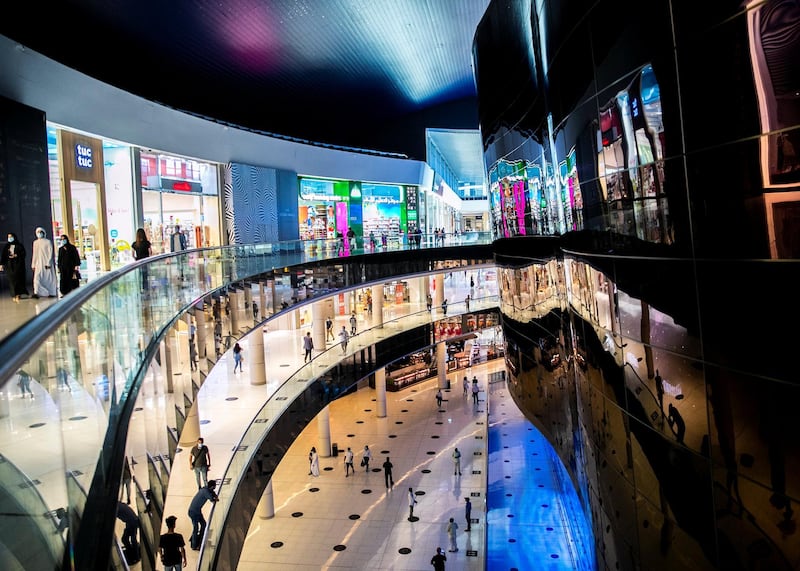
(381, 199)
(180, 185)
(83, 156)
(322, 197)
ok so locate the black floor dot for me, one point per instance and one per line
(554, 556)
(510, 515)
(205, 421)
(359, 422)
(506, 460)
(138, 408)
(232, 398)
(541, 486)
(376, 470)
(545, 506)
(398, 422)
(354, 516)
(327, 469)
(426, 471)
(367, 410)
(413, 518)
(404, 551)
(313, 490)
(79, 417)
(439, 422)
(366, 491)
(286, 365)
(339, 547)
(404, 410)
(350, 435)
(512, 540)
(297, 514)
(385, 451)
(508, 495)
(36, 425)
(508, 477)
(431, 453)
(276, 544)
(409, 400)
(435, 436)
(549, 528)
(505, 447)
(419, 493)
(392, 436)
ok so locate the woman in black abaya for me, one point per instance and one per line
(12, 261)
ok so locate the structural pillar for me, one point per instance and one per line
(191, 427)
(377, 306)
(257, 367)
(318, 325)
(166, 363)
(234, 299)
(441, 365)
(380, 390)
(200, 324)
(438, 295)
(266, 505)
(324, 430)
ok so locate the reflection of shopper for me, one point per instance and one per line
(129, 536)
(660, 390)
(677, 423)
(24, 384)
(466, 302)
(13, 262)
(44, 266)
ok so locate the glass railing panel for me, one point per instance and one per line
(89, 355)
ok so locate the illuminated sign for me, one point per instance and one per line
(83, 156)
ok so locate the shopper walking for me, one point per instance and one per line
(452, 535)
(12, 261)
(456, 462)
(142, 248)
(177, 241)
(475, 390)
(438, 560)
(238, 358)
(329, 330)
(412, 501)
(468, 513)
(387, 473)
(69, 265)
(366, 456)
(348, 463)
(43, 264)
(343, 338)
(444, 307)
(24, 384)
(171, 547)
(200, 462)
(428, 302)
(439, 398)
(308, 345)
(466, 385)
(314, 461)
(353, 323)
(202, 496)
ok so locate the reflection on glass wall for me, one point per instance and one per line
(679, 463)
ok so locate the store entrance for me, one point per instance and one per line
(86, 224)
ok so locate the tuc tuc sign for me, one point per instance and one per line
(83, 156)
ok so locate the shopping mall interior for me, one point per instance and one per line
(611, 353)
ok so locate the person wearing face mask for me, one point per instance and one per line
(12, 261)
(43, 266)
(69, 265)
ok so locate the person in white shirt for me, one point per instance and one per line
(44, 266)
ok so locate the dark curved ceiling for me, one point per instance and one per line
(360, 73)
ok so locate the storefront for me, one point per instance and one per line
(326, 207)
(179, 192)
(97, 204)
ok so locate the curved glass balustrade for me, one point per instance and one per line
(70, 376)
(316, 383)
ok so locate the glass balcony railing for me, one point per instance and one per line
(69, 379)
(316, 386)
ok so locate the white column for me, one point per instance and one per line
(266, 505)
(324, 430)
(201, 324)
(438, 296)
(235, 301)
(256, 365)
(247, 311)
(424, 289)
(166, 362)
(377, 306)
(318, 325)
(441, 365)
(191, 427)
(380, 391)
